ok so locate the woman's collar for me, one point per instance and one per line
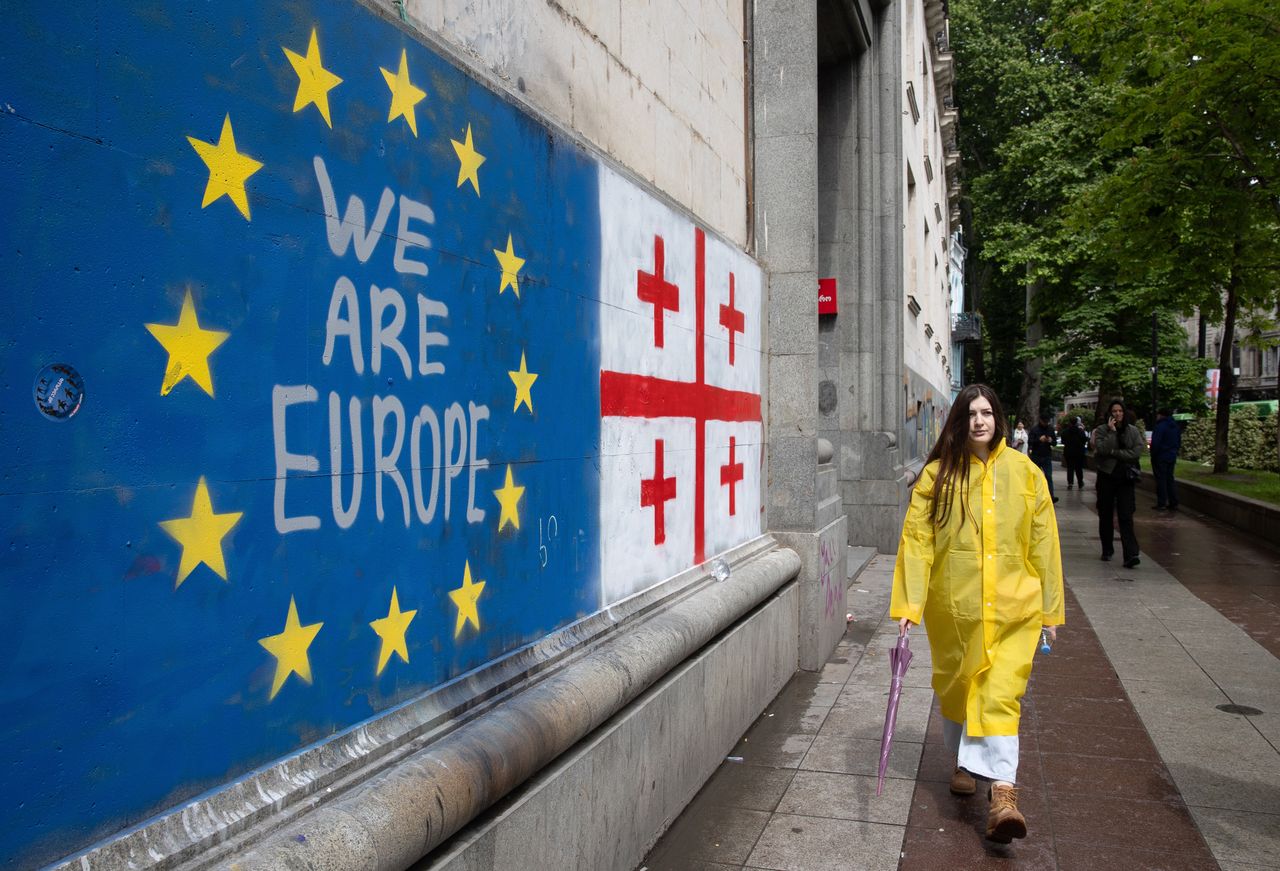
(997, 447)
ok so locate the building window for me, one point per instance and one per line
(911, 101)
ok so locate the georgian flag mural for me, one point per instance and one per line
(330, 376)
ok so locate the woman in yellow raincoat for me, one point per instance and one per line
(979, 564)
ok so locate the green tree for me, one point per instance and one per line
(1008, 78)
(1189, 208)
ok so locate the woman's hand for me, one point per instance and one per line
(1052, 632)
(904, 626)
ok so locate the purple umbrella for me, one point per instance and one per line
(899, 659)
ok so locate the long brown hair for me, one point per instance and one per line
(951, 450)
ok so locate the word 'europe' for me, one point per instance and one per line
(454, 434)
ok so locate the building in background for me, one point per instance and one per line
(1255, 353)
(430, 409)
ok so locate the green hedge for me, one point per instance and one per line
(1251, 441)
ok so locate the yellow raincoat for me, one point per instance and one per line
(984, 586)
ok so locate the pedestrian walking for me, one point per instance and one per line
(1117, 446)
(1075, 443)
(1019, 440)
(1042, 438)
(1166, 441)
(979, 564)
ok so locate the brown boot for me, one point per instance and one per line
(1004, 822)
(962, 783)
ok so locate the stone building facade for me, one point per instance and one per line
(437, 399)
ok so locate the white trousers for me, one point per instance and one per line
(994, 757)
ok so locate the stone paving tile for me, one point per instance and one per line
(747, 786)
(1115, 712)
(1124, 822)
(930, 850)
(772, 749)
(709, 834)
(861, 756)
(1113, 742)
(1089, 856)
(1134, 778)
(847, 797)
(800, 843)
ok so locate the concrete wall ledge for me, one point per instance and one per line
(529, 705)
(1251, 516)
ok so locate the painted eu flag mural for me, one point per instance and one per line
(326, 316)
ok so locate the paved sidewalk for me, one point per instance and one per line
(1127, 759)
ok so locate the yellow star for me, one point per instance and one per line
(509, 498)
(510, 264)
(201, 535)
(290, 649)
(189, 348)
(228, 168)
(469, 161)
(314, 81)
(404, 94)
(465, 599)
(391, 629)
(524, 385)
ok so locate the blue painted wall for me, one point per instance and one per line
(133, 681)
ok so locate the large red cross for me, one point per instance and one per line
(653, 287)
(623, 394)
(731, 474)
(656, 492)
(732, 319)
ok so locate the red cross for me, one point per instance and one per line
(656, 492)
(731, 318)
(652, 287)
(623, 394)
(731, 474)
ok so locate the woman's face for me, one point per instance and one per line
(1117, 413)
(982, 421)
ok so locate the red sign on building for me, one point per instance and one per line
(827, 304)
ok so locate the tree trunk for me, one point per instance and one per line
(1029, 395)
(976, 292)
(1106, 393)
(1226, 374)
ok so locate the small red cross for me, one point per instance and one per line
(652, 287)
(731, 474)
(655, 492)
(732, 319)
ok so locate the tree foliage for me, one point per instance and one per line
(1124, 162)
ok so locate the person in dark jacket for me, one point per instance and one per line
(1166, 440)
(1075, 441)
(1117, 446)
(1041, 440)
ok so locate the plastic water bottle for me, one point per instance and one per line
(1045, 646)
